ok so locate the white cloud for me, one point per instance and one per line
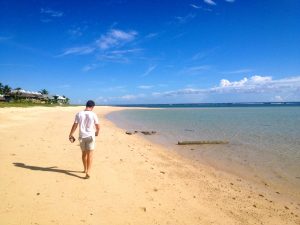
(255, 84)
(126, 51)
(238, 71)
(186, 91)
(108, 46)
(195, 6)
(258, 84)
(151, 35)
(128, 97)
(185, 19)
(121, 56)
(278, 98)
(210, 2)
(227, 83)
(254, 88)
(195, 69)
(115, 89)
(198, 7)
(198, 68)
(51, 13)
(102, 99)
(148, 71)
(260, 79)
(120, 99)
(115, 38)
(75, 32)
(83, 50)
(89, 67)
(145, 86)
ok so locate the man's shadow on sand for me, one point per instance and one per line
(49, 169)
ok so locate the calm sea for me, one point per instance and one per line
(264, 140)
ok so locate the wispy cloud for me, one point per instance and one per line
(195, 69)
(200, 7)
(126, 98)
(107, 47)
(126, 51)
(145, 86)
(115, 38)
(186, 91)
(76, 32)
(115, 89)
(185, 19)
(83, 50)
(210, 2)
(231, 1)
(51, 13)
(120, 56)
(199, 55)
(195, 6)
(238, 71)
(107, 57)
(204, 54)
(90, 67)
(148, 71)
(151, 35)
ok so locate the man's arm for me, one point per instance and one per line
(74, 127)
(97, 129)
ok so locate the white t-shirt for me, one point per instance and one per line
(86, 121)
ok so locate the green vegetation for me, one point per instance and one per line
(25, 104)
(4, 89)
(18, 97)
(30, 104)
(44, 92)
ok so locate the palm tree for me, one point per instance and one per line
(44, 92)
(1, 88)
(17, 94)
(6, 89)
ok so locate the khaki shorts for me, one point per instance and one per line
(87, 143)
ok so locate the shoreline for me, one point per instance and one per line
(208, 155)
(133, 180)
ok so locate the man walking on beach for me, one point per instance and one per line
(88, 128)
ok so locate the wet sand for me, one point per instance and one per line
(133, 181)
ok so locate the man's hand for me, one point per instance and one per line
(97, 129)
(71, 139)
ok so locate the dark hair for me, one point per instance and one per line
(90, 103)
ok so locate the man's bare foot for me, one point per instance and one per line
(87, 176)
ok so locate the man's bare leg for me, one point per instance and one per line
(89, 162)
(84, 160)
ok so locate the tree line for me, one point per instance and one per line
(6, 90)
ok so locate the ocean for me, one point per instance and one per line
(264, 139)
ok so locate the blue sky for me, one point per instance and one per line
(134, 51)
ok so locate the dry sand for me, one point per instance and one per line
(133, 181)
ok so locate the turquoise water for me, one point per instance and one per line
(264, 142)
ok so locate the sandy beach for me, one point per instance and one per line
(133, 181)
